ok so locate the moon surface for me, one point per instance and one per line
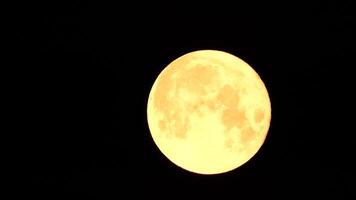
(208, 112)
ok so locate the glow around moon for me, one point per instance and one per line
(208, 112)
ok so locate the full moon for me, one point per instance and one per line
(208, 112)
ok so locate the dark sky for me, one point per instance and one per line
(88, 68)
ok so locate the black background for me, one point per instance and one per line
(87, 68)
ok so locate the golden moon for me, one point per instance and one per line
(208, 112)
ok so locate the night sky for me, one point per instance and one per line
(88, 69)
